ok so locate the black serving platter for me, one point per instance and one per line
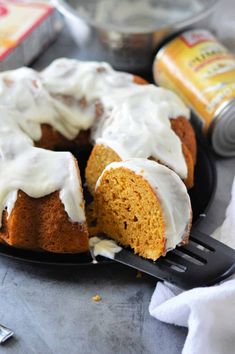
(201, 196)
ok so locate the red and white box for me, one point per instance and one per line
(26, 28)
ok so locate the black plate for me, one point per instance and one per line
(201, 195)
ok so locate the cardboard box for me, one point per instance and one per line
(26, 28)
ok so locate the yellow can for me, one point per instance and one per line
(202, 72)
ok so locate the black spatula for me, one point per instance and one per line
(204, 261)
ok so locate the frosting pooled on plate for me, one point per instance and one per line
(103, 247)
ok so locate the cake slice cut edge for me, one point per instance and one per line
(144, 205)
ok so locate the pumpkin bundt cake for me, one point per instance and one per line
(72, 103)
(144, 205)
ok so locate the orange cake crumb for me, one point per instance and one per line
(96, 298)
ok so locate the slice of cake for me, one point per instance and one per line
(144, 205)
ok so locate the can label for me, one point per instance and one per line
(200, 70)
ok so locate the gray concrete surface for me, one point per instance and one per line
(51, 309)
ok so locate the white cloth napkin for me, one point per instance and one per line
(209, 312)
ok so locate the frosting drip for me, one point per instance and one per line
(171, 192)
(139, 126)
(35, 171)
(77, 86)
(21, 90)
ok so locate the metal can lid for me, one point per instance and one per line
(223, 130)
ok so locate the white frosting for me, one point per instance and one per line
(35, 171)
(103, 247)
(170, 190)
(135, 121)
(139, 126)
(79, 80)
(82, 78)
(22, 91)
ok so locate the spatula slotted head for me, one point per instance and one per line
(203, 261)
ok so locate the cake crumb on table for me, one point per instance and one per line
(96, 298)
(138, 274)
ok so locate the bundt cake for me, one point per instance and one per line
(144, 205)
(72, 103)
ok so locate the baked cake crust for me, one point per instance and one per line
(43, 224)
